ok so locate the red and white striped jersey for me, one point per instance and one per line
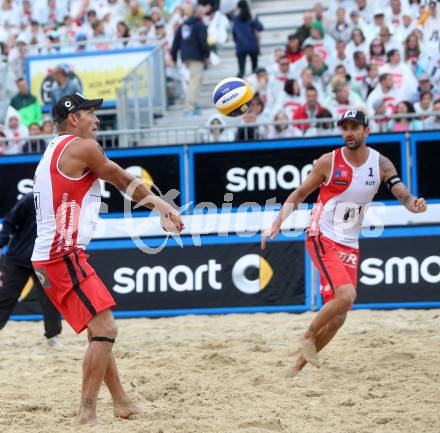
(344, 199)
(67, 208)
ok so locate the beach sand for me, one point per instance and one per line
(226, 374)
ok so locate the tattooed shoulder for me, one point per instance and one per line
(386, 167)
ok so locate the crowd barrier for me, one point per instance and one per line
(226, 271)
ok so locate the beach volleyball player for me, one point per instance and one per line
(349, 178)
(67, 200)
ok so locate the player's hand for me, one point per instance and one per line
(419, 205)
(171, 221)
(272, 233)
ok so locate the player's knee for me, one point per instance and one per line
(107, 329)
(346, 296)
(346, 302)
(338, 321)
(103, 325)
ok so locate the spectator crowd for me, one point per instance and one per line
(382, 57)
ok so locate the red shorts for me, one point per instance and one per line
(74, 288)
(337, 264)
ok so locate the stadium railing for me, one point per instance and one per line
(182, 135)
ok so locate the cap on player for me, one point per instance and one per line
(354, 116)
(70, 104)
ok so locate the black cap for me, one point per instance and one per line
(70, 104)
(355, 116)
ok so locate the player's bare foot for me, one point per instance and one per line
(86, 418)
(87, 412)
(296, 368)
(125, 409)
(292, 371)
(308, 350)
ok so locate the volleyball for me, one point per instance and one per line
(232, 97)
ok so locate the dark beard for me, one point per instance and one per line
(356, 145)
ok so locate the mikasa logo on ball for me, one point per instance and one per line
(229, 98)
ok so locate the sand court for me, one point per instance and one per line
(226, 374)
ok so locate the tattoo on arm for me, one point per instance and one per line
(402, 194)
(399, 190)
(387, 168)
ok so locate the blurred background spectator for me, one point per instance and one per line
(255, 116)
(323, 127)
(282, 129)
(216, 132)
(433, 122)
(192, 41)
(245, 30)
(26, 104)
(15, 131)
(34, 145)
(217, 25)
(310, 109)
(407, 123)
(64, 84)
(47, 128)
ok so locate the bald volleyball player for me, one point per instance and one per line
(66, 198)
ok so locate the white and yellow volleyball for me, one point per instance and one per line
(141, 173)
(232, 96)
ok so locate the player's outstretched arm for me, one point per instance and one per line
(392, 180)
(93, 157)
(319, 174)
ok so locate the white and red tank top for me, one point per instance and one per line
(67, 208)
(344, 198)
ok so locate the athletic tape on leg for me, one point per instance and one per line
(105, 339)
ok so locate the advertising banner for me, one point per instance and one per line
(17, 174)
(425, 150)
(162, 167)
(260, 171)
(99, 73)
(399, 269)
(221, 275)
